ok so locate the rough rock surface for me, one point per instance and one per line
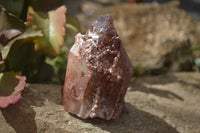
(165, 104)
(155, 36)
(98, 73)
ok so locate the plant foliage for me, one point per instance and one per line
(25, 46)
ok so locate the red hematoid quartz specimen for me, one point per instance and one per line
(98, 73)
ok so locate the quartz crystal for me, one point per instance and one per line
(98, 73)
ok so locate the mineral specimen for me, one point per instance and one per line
(98, 73)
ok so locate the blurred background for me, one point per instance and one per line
(159, 36)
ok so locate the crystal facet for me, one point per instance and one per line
(98, 73)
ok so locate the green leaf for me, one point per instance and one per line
(72, 28)
(11, 86)
(20, 57)
(7, 83)
(30, 34)
(73, 24)
(1, 46)
(13, 6)
(2, 65)
(59, 64)
(10, 26)
(52, 25)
